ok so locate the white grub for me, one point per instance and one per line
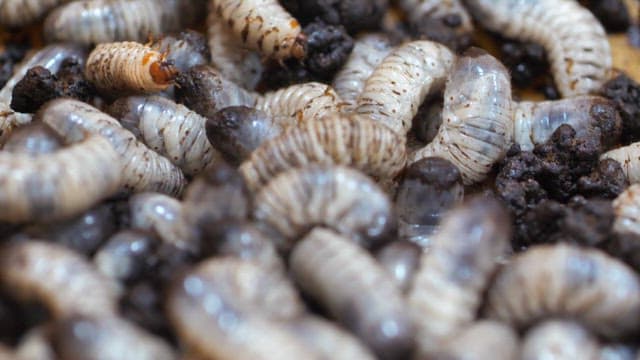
(448, 287)
(170, 129)
(368, 52)
(400, 259)
(346, 280)
(337, 197)
(184, 50)
(548, 281)
(629, 158)
(33, 139)
(143, 169)
(484, 339)
(396, 88)
(626, 207)
(575, 41)
(560, 340)
(477, 124)
(264, 26)
(15, 13)
(61, 279)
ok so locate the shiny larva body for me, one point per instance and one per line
(264, 26)
(324, 195)
(484, 339)
(123, 255)
(629, 158)
(477, 124)
(595, 289)
(400, 259)
(575, 41)
(561, 340)
(396, 88)
(14, 13)
(627, 210)
(142, 169)
(347, 280)
(33, 139)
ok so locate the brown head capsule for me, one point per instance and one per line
(184, 50)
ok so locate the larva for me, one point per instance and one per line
(484, 339)
(33, 139)
(535, 122)
(347, 281)
(36, 344)
(400, 259)
(627, 210)
(184, 50)
(57, 277)
(560, 339)
(629, 158)
(128, 67)
(15, 13)
(576, 43)
(397, 87)
(170, 129)
(447, 289)
(354, 141)
(327, 195)
(477, 124)
(448, 14)
(122, 256)
(368, 52)
(546, 281)
(264, 26)
(143, 169)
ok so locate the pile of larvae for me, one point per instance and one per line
(318, 179)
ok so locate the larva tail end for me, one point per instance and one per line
(163, 72)
(299, 47)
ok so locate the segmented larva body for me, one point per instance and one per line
(264, 26)
(185, 50)
(170, 129)
(535, 122)
(58, 277)
(354, 141)
(142, 169)
(328, 195)
(563, 280)
(560, 339)
(400, 259)
(575, 41)
(368, 52)
(418, 10)
(45, 187)
(397, 87)
(629, 158)
(484, 339)
(477, 124)
(14, 13)
(448, 287)
(128, 67)
(627, 210)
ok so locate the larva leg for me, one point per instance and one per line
(629, 158)
(484, 339)
(561, 339)
(400, 259)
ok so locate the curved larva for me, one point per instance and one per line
(397, 87)
(33, 139)
(484, 339)
(58, 277)
(593, 288)
(448, 287)
(347, 280)
(143, 169)
(184, 50)
(357, 142)
(15, 13)
(170, 129)
(627, 210)
(264, 26)
(576, 43)
(629, 158)
(368, 52)
(46, 187)
(561, 340)
(477, 124)
(328, 195)
(128, 67)
(535, 122)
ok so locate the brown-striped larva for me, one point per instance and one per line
(484, 339)
(347, 280)
(564, 280)
(128, 67)
(333, 196)
(561, 340)
(576, 43)
(397, 87)
(354, 141)
(58, 277)
(629, 158)
(170, 129)
(15, 13)
(264, 26)
(627, 210)
(142, 168)
(477, 124)
(448, 286)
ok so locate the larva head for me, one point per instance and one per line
(162, 71)
(298, 46)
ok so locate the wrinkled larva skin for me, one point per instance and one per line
(564, 280)
(33, 139)
(627, 210)
(448, 287)
(142, 169)
(400, 259)
(328, 195)
(128, 67)
(170, 129)
(264, 26)
(561, 340)
(58, 277)
(45, 187)
(368, 52)
(484, 339)
(477, 124)
(347, 280)
(396, 88)
(354, 141)
(107, 338)
(14, 13)
(185, 50)
(575, 41)
(535, 122)
(629, 158)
